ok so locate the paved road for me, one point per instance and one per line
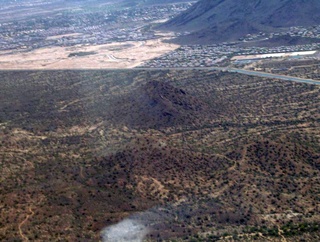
(274, 76)
(226, 69)
(242, 71)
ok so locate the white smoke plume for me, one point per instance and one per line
(136, 227)
(128, 230)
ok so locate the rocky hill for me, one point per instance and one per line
(214, 21)
(159, 104)
(190, 155)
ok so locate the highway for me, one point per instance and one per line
(224, 69)
(241, 71)
(274, 76)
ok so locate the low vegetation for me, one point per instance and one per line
(209, 156)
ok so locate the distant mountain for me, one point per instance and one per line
(224, 20)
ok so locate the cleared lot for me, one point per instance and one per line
(114, 55)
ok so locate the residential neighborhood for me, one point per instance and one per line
(215, 55)
(85, 27)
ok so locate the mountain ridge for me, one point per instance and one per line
(228, 20)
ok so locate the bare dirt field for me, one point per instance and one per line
(114, 55)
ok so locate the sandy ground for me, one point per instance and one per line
(115, 55)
